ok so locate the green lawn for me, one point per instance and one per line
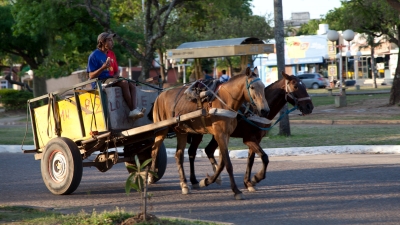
(302, 135)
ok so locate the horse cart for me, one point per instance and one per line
(84, 127)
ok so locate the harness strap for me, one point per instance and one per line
(203, 121)
(56, 115)
(269, 128)
(289, 93)
(248, 89)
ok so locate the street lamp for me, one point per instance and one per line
(333, 36)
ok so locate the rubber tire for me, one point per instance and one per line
(314, 86)
(161, 163)
(68, 180)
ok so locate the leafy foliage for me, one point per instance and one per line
(14, 99)
(375, 18)
(136, 181)
(310, 28)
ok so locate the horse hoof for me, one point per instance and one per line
(239, 196)
(218, 181)
(185, 190)
(251, 189)
(203, 183)
(196, 186)
(254, 180)
(150, 180)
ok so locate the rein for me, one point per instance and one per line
(288, 92)
(247, 87)
(269, 128)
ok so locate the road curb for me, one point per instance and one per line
(240, 154)
(346, 122)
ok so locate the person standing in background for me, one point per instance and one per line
(224, 77)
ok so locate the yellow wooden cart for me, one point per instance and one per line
(72, 124)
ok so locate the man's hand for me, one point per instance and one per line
(107, 63)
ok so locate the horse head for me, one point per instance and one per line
(255, 92)
(296, 94)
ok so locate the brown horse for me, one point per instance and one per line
(288, 89)
(230, 96)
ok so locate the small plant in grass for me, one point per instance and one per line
(138, 181)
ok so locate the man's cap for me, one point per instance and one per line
(103, 36)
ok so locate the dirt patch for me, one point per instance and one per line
(369, 109)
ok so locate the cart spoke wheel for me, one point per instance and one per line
(58, 165)
(61, 166)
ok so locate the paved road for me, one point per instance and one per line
(322, 189)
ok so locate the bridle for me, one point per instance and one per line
(248, 90)
(289, 93)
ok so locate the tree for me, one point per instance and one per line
(371, 42)
(211, 20)
(284, 125)
(138, 181)
(154, 18)
(31, 50)
(376, 18)
(309, 28)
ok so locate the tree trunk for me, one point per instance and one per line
(395, 91)
(147, 64)
(198, 70)
(39, 86)
(228, 59)
(373, 67)
(163, 65)
(243, 64)
(284, 125)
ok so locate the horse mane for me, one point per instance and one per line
(273, 84)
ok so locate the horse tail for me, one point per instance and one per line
(156, 110)
(150, 114)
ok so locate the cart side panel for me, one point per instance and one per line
(45, 124)
(92, 115)
(118, 110)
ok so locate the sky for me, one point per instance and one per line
(314, 7)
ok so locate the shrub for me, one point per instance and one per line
(14, 99)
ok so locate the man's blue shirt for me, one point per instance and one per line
(96, 59)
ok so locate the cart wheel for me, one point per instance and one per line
(161, 162)
(61, 166)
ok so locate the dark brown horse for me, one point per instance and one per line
(230, 96)
(288, 89)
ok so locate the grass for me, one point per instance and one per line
(24, 215)
(302, 135)
(352, 100)
(317, 135)
(351, 89)
(15, 135)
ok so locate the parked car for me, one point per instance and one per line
(314, 80)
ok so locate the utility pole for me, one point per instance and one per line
(284, 125)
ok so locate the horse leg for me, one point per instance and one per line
(250, 162)
(210, 150)
(180, 147)
(256, 148)
(194, 144)
(160, 136)
(222, 140)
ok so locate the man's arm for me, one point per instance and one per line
(97, 73)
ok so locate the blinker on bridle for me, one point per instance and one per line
(289, 92)
(248, 90)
